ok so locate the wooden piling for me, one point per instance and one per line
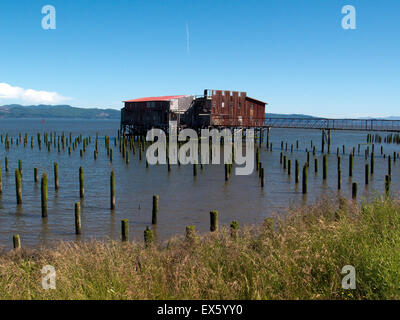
(351, 165)
(305, 174)
(112, 190)
(315, 165)
(44, 194)
(387, 185)
(77, 218)
(56, 182)
(81, 183)
(125, 230)
(154, 217)
(20, 166)
(234, 227)
(325, 167)
(18, 186)
(227, 172)
(366, 174)
(148, 236)
(190, 233)
(354, 188)
(16, 241)
(262, 177)
(214, 220)
(372, 163)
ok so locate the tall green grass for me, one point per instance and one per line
(301, 257)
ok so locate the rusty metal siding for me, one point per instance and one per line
(232, 108)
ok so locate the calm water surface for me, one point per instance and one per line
(184, 200)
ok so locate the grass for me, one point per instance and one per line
(300, 257)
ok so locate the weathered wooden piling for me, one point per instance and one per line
(112, 190)
(387, 185)
(367, 174)
(234, 227)
(18, 186)
(148, 236)
(354, 188)
(372, 163)
(78, 218)
(56, 181)
(20, 166)
(389, 166)
(190, 233)
(227, 172)
(214, 220)
(44, 194)
(195, 169)
(16, 241)
(315, 165)
(6, 163)
(305, 173)
(154, 216)
(339, 181)
(262, 177)
(325, 167)
(81, 183)
(35, 175)
(296, 171)
(289, 167)
(125, 230)
(350, 165)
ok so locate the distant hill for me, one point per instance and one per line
(385, 118)
(59, 111)
(278, 115)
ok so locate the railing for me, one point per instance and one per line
(334, 124)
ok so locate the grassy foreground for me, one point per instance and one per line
(301, 258)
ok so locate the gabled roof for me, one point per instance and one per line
(256, 100)
(163, 98)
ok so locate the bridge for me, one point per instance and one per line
(334, 124)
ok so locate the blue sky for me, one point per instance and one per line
(294, 54)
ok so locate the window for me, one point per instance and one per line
(239, 105)
(223, 104)
(251, 106)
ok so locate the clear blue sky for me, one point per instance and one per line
(294, 54)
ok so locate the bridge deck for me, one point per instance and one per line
(334, 124)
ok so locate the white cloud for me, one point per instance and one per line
(8, 92)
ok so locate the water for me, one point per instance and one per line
(184, 200)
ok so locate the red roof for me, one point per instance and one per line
(163, 98)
